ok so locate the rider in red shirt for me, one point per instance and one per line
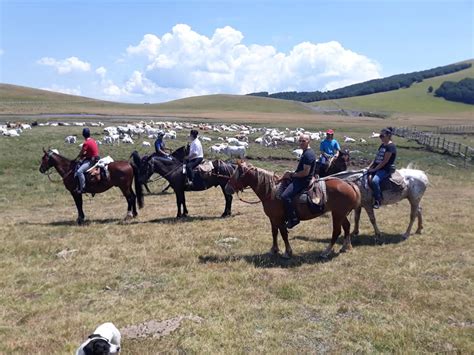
(87, 157)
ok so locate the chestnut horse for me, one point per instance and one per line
(121, 175)
(342, 198)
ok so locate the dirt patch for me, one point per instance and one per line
(156, 329)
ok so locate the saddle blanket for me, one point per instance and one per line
(205, 167)
(102, 163)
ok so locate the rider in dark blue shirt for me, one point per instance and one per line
(160, 145)
(300, 180)
(383, 164)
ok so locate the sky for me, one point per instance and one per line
(157, 51)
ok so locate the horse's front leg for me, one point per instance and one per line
(371, 214)
(178, 203)
(274, 250)
(228, 203)
(357, 213)
(284, 234)
(80, 213)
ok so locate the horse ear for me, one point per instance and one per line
(44, 151)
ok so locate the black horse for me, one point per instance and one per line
(336, 166)
(171, 168)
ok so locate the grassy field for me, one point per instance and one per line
(414, 100)
(411, 296)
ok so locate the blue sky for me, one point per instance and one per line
(155, 51)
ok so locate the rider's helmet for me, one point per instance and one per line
(86, 133)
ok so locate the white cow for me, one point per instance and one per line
(70, 140)
(298, 153)
(234, 151)
(362, 140)
(25, 126)
(349, 139)
(127, 140)
(146, 144)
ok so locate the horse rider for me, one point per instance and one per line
(160, 145)
(329, 148)
(300, 179)
(383, 165)
(194, 157)
(88, 156)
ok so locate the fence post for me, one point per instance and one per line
(465, 155)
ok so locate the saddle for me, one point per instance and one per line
(394, 183)
(205, 168)
(99, 171)
(314, 197)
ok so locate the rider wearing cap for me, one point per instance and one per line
(194, 157)
(160, 145)
(88, 156)
(329, 148)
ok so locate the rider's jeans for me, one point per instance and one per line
(379, 176)
(80, 174)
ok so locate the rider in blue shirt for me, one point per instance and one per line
(160, 145)
(329, 148)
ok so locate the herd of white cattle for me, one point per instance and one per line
(232, 140)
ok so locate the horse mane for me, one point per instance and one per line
(267, 180)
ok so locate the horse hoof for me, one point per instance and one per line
(354, 234)
(345, 249)
(80, 221)
(287, 255)
(405, 236)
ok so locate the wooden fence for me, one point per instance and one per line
(437, 142)
(455, 130)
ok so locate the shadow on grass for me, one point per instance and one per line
(72, 222)
(361, 239)
(270, 261)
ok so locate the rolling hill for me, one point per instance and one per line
(21, 100)
(413, 100)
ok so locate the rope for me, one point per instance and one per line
(249, 202)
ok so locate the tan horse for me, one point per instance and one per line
(342, 197)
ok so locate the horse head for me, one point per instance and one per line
(47, 160)
(239, 179)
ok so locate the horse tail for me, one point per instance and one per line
(136, 164)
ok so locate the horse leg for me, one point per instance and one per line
(371, 214)
(130, 197)
(80, 212)
(336, 231)
(178, 204)
(413, 215)
(228, 203)
(420, 221)
(346, 225)
(284, 234)
(274, 250)
(357, 212)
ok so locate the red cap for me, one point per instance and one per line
(329, 131)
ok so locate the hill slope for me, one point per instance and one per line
(415, 99)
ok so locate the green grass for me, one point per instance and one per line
(414, 100)
(411, 296)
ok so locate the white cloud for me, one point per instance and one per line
(63, 90)
(66, 65)
(184, 62)
(101, 71)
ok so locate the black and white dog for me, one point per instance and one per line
(104, 341)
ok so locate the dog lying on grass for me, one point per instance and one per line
(105, 340)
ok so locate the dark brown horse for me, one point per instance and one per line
(336, 165)
(171, 168)
(342, 198)
(121, 176)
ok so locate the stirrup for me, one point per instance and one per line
(376, 205)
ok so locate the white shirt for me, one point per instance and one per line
(195, 150)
